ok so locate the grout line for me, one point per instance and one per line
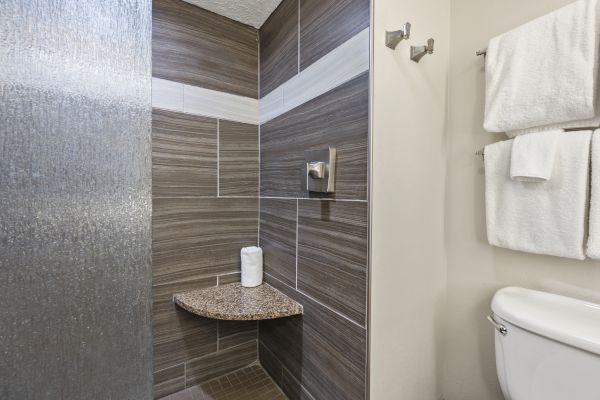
(297, 223)
(205, 197)
(332, 310)
(241, 121)
(276, 357)
(284, 368)
(229, 273)
(267, 197)
(318, 302)
(218, 157)
(298, 37)
(257, 344)
(166, 368)
(258, 188)
(315, 199)
(228, 373)
(215, 352)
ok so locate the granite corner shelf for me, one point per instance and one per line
(237, 303)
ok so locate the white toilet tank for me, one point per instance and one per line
(547, 346)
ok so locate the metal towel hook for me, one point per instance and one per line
(393, 38)
(418, 52)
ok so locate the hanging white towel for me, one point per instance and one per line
(544, 72)
(584, 124)
(532, 156)
(252, 266)
(539, 217)
(593, 244)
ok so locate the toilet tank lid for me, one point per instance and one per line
(566, 320)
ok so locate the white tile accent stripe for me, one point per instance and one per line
(167, 94)
(345, 62)
(179, 97)
(272, 105)
(211, 103)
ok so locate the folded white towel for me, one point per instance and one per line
(539, 217)
(532, 156)
(252, 266)
(544, 72)
(593, 243)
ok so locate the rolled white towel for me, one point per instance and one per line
(532, 156)
(252, 266)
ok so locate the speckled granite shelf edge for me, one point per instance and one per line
(236, 303)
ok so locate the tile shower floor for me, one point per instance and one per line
(250, 383)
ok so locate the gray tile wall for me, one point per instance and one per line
(207, 176)
(325, 24)
(205, 194)
(279, 47)
(197, 47)
(316, 246)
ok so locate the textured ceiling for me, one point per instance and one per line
(249, 12)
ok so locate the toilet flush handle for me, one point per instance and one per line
(499, 327)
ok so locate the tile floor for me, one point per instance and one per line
(250, 383)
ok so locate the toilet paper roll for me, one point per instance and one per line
(252, 266)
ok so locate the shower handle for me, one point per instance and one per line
(316, 169)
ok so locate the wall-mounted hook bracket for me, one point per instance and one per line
(393, 38)
(418, 52)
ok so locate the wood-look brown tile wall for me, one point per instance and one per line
(338, 118)
(278, 238)
(200, 236)
(194, 46)
(332, 255)
(322, 25)
(323, 353)
(326, 24)
(197, 237)
(205, 193)
(217, 364)
(279, 47)
(184, 155)
(238, 159)
(169, 381)
(316, 251)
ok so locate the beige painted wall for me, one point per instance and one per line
(408, 172)
(475, 269)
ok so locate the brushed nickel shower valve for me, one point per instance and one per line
(320, 170)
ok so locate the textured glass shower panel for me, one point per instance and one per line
(75, 206)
